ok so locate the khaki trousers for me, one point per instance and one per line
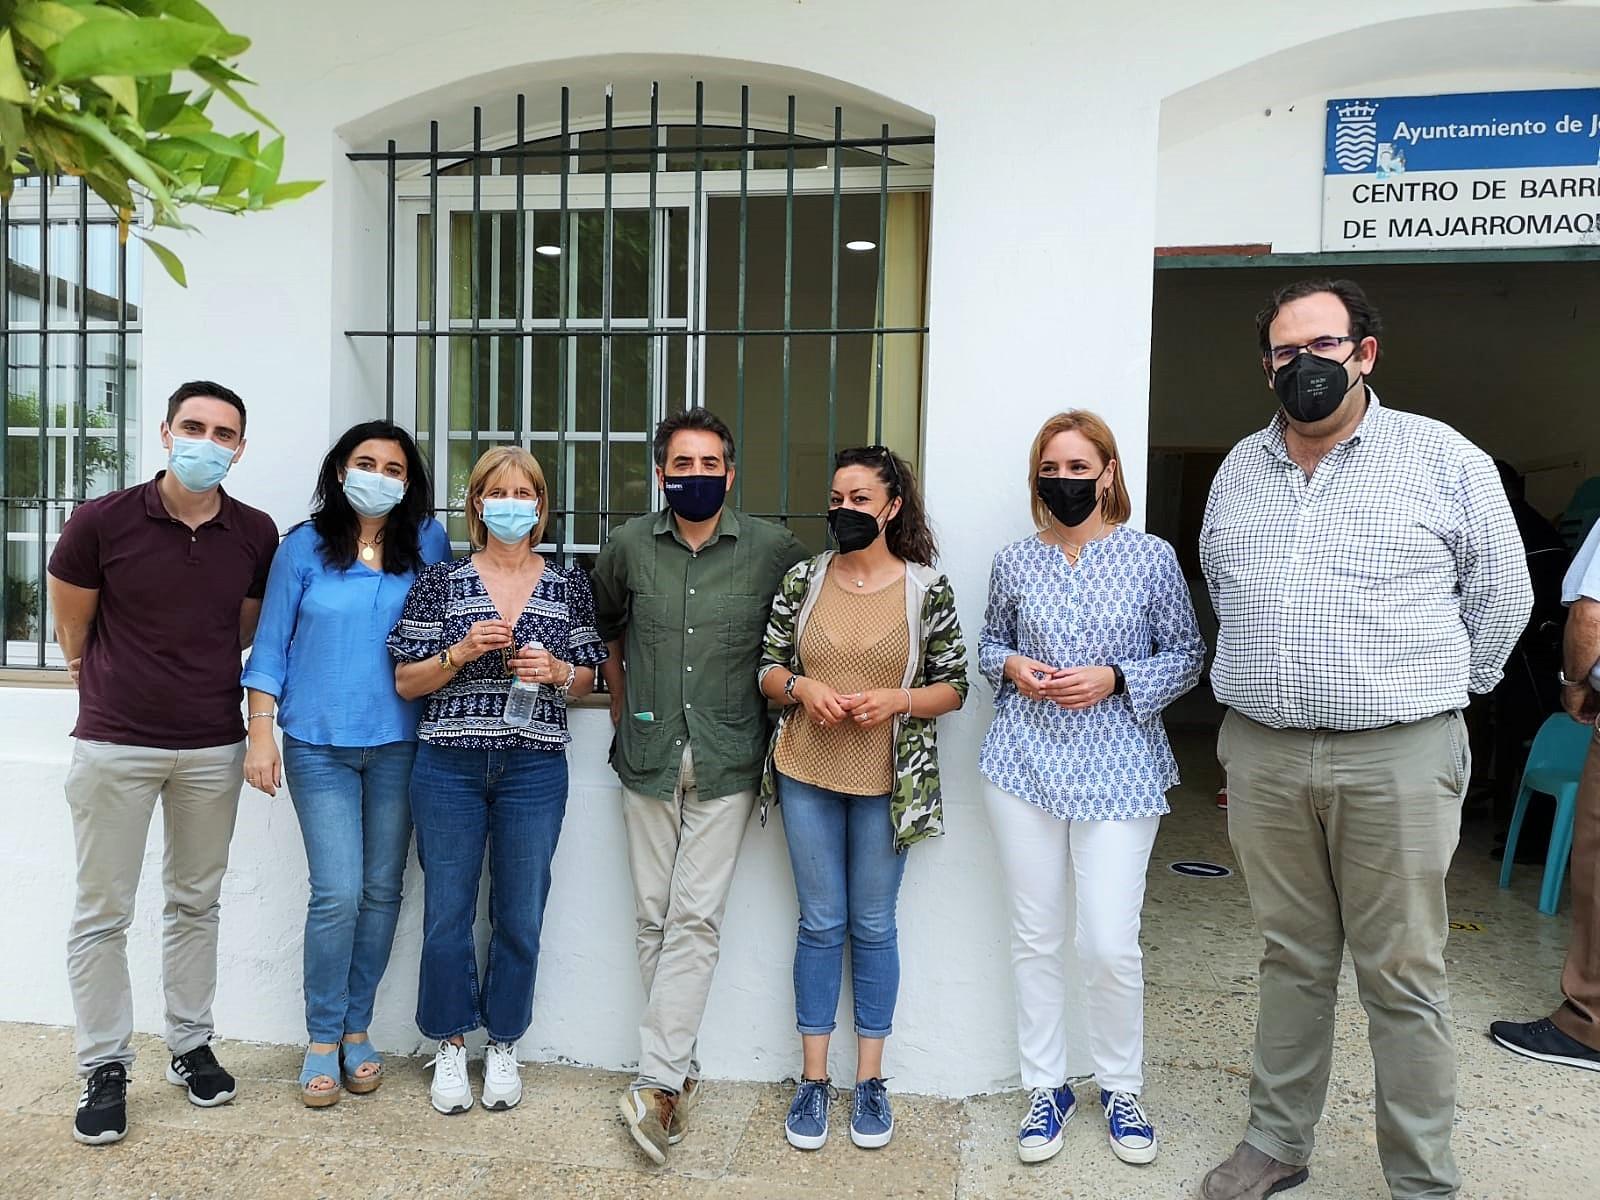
(112, 792)
(1345, 838)
(681, 853)
(1579, 1016)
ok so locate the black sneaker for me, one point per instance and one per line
(103, 1108)
(1543, 1041)
(209, 1085)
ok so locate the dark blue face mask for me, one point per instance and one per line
(695, 497)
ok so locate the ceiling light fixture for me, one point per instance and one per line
(548, 251)
(860, 245)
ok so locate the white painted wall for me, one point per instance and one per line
(1049, 119)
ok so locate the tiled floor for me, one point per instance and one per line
(1524, 1132)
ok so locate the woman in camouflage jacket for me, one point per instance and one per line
(864, 651)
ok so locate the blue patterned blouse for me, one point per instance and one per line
(444, 603)
(1126, 603)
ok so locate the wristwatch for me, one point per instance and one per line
(1565, 682)
(445, 660)
(788, 687)
(1120, 687)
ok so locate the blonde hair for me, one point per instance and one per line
(1115, 504)
(493, 463)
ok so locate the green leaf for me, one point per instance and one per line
(121, 88)
(268, 166)
(47, 23)
(167, 259)
(12, 133)
(191, 10)
(162, 109)
(293, 190)
(215, 143)
(219, 78)
(13, 86)
(190, 120)
(135, 164)
(111, 188)
(138, 46)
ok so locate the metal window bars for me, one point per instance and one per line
(69, 356)
(632, 286)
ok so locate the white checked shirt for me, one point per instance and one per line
(1382, 589)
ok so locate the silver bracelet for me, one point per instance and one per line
(564, 688)
(267, 715)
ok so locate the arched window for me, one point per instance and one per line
(566, 290)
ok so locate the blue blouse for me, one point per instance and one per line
(445, 602)
(1125, 603)
(319, 646)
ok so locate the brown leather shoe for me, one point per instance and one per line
(679, 1129)
(648, 1112)
(1251, 1174)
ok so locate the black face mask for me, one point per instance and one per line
(1070, 501)
(695, 497)
(1311, 388)
(852, 529)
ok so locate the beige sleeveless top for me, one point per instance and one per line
(853, 642)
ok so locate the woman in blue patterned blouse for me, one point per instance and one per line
(1088, 636)
(468, 627)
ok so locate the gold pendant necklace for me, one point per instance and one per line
(368, 549)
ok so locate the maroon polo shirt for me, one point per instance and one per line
(161, 662)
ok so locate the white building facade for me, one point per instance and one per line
(1045, 151)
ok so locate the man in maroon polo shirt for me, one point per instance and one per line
(155, 591)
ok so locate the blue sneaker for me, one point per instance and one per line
(1049, 1110)
(871, 1121)
(1133, 1138)
(807, 1124)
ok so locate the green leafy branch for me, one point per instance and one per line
(86, 89)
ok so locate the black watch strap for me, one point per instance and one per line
(1120, 688)
(788, 687)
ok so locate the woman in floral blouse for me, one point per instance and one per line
(486, 781)
(864, 650)
(1089, 634)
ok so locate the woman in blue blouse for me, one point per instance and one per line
(1088, 636)
(469, 628)
(337, 584)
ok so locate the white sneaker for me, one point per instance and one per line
(450, 1093)
(502, 1079)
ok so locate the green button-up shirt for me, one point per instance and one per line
(691, 624)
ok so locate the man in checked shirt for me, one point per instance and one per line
(1367, 577)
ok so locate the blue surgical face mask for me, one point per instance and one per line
(371, 494)
(509, 519)
(199, 463)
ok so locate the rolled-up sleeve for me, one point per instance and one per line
(945, 655)
(1583, 576)
(997, 641)
(584, 647)
(1492, 567)
(1179, 650)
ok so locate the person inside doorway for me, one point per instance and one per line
(1570, 1036)
(1383, 546)
(156, 592)
(682, 598)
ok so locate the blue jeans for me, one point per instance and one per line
(355, 816)
(846, 877)
(513, 801)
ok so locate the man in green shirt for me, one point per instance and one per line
(682, 597)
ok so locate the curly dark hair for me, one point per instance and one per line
(1364, 319)
(908, 534)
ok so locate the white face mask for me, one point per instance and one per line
(371, 494)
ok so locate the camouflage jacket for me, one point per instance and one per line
(938, 655)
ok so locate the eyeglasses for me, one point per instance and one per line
(1323, 347)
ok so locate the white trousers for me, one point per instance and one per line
(1084, 878)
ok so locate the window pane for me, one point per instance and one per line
(424, 268)
(546, 265)
(677, 262)
(547, 404)
(630, 263)
(585, 491)
(492, 276)
(630, 481)
(485, 367)
(594, 140)
(682, 139)
(806, 157)
(544, 164)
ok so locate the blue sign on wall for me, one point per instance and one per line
(1472, 131)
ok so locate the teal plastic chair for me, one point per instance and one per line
(1555, 763)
